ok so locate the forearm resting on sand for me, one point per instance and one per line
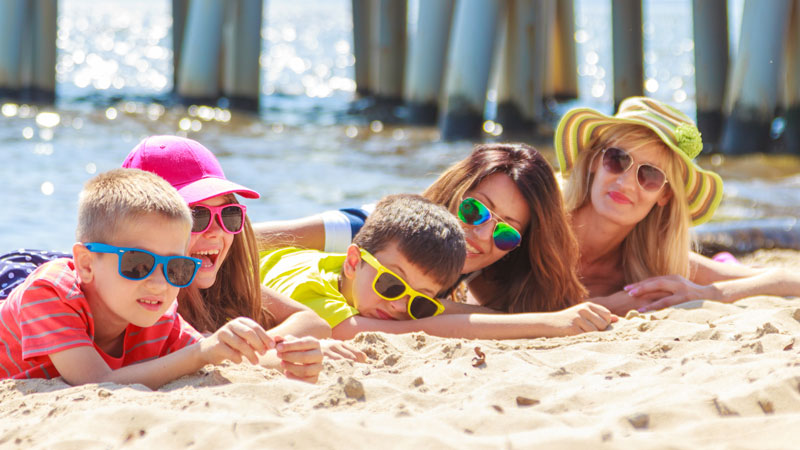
(82, 365)
(577, 319)
(674, 289)
(292, 317)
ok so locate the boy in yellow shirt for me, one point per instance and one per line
(408, 252)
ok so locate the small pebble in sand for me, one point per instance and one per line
(640, 421)
(353, 389)
(480, 359)
(525, 401)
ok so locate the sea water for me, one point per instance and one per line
(304, 152)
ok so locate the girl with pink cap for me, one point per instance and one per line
(227, 283)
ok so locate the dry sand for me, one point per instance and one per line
(702, 375)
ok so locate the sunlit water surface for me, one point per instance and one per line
(303, 153)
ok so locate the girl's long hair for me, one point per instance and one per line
(236, 291)
(659, 244)
(540, 274)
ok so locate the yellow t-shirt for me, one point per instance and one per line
(310, 277)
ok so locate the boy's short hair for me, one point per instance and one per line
(118, 196)
(426, 233)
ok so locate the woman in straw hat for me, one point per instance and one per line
(633, 191)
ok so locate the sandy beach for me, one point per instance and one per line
(701, 375)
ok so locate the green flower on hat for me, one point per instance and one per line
(689, 140)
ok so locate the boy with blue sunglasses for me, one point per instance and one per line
(109, 314)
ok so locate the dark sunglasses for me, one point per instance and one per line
(230, 217)
(390, 287)
(472, 212)
(617, 161)
(138, 264)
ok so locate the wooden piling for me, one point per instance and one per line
(389, 51)
(523, 65)
(242, 54)
(469, 59)
(626, 36)
(563, 73)
(362, 45)
(179, 10)
(42, 80)
(12, 23)
(710, 25)
(752, 92)
(425, 64)
(198, 71)
(791, 131)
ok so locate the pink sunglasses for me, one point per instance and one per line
(230, 217)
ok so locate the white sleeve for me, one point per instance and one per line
(337, 231)
(340, 227)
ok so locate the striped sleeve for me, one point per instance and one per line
(49, 323)
(181, 335)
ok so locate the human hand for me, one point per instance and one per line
(301, 358)
(582, 318)
(336, 349)
(238, 339)
(669, 290)
(621, 302)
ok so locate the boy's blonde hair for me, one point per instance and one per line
(119, 196)
(425, 233)
(645, 252)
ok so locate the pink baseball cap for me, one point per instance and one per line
(187, 165)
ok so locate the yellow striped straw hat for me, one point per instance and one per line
(580, 125)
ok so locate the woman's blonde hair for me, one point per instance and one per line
(540, 274)
(236, 291)
(658, 244)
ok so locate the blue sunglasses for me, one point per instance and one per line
(138, 264)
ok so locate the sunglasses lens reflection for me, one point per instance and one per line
(201, 217)
(180, 271)
(473, 212)
(650, 178)
(232, 218)
(136, 265)
(505, 237)
(421, 307)
(616, 161)
(389, 286)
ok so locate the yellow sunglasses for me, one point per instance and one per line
(390, 286)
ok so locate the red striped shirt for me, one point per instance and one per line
(48, 313)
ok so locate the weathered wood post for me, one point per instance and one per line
(42, 78)
(520, 87)
(469, 60)
(362, 45)
(791, 131)
(198, 71)
(179, 10)
(242, 50)
(626, 17)
(12, 22)
(426, 56)
(710, 25)
(752, 92)
(389, 52)
(563, 61)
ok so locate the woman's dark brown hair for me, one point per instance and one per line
(542, 273)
